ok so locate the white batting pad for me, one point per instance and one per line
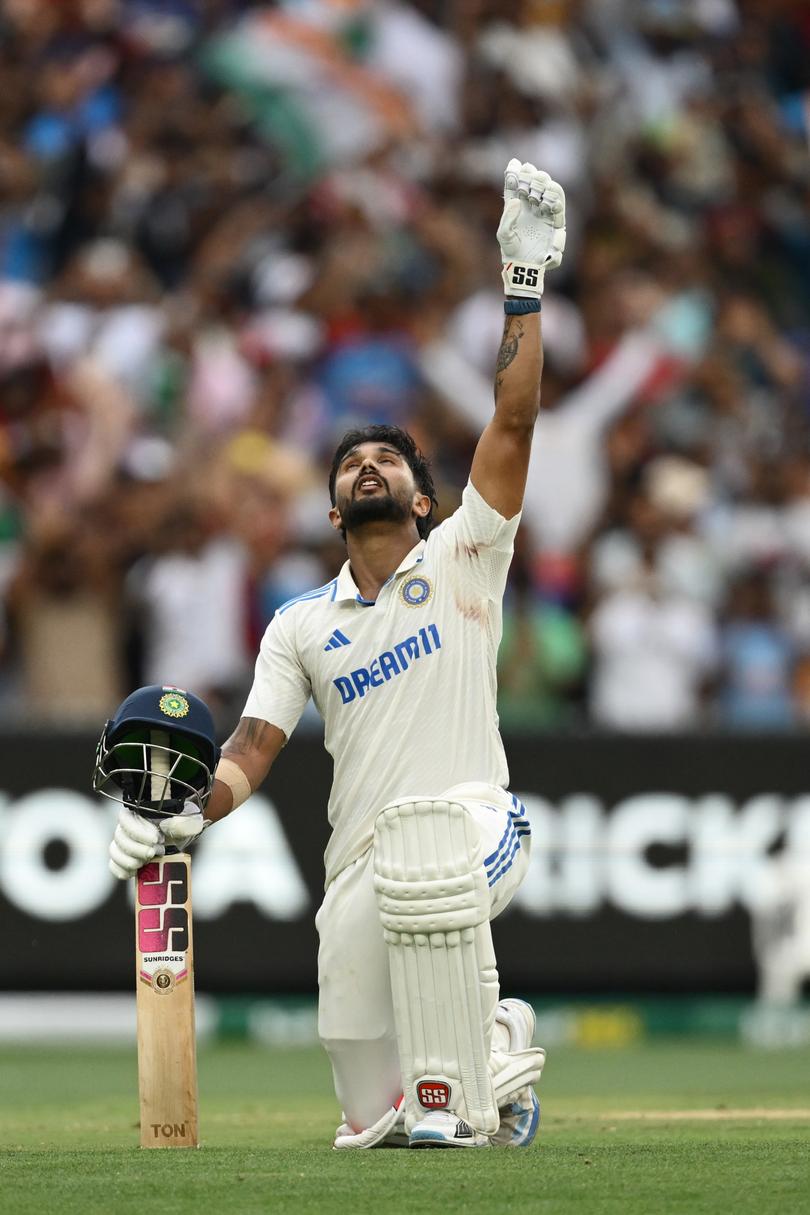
(434, 905)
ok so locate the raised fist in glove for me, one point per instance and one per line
(138, 840)
(532, 228)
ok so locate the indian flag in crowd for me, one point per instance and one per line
(301, 81)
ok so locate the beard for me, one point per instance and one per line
(379, 508)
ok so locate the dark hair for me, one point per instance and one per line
(404, 444)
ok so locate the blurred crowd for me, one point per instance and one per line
(230, 230)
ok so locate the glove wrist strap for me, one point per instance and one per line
(522, 278)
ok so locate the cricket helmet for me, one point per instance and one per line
(157, 752)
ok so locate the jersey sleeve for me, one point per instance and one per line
(480, 542)
(281, 686)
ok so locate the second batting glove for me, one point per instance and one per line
(182, 829)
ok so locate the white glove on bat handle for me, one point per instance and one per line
(138, 840)
(532, 228)
(182, 829)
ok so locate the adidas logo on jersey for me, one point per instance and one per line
(337, 640)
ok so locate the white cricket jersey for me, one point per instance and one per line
(406, 685)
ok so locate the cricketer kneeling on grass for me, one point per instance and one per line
(398, 653)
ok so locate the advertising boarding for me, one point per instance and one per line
(658, 865)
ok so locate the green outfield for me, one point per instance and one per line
(682, 1126)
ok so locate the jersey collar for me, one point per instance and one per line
(347, 588)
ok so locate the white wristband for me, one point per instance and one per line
(232, 775)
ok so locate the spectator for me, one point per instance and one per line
(542, 654)
(190, 599)
(66, 610)
(757, 660)
(653, 637)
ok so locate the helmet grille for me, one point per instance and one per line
(154, 770)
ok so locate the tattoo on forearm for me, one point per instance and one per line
(513, 331)
(246, 737)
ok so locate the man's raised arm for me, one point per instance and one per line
(532, 239)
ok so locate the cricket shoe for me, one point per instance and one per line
(519, 1121)
(441, 1129)
(520, 1116)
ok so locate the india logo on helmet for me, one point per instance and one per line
(173, 704)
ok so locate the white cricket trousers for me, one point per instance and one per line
(355, 1010)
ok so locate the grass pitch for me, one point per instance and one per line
(674, 1127)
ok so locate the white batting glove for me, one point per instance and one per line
(532, 228)
(180, 830)
(137, 841)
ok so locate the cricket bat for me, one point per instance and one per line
(164, 976)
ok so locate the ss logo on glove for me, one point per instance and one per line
(525, 276)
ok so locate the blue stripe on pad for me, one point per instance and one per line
(501, 860)
(506, 864)
(498, 876)
(509, 837)
(488, 859)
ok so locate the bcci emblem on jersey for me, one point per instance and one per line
(417, 591)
